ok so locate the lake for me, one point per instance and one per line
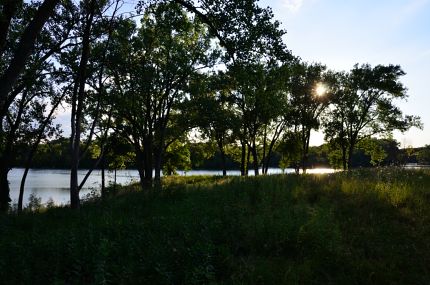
(54, 183)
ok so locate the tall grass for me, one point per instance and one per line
(363, 227)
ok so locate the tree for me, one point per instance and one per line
(13, 69)
(152, 68)
(80, 77)
(307, 101)
(84, 69)
(201, 152)
(43, 129)
(214, 111)
(373, 149)
(363, 106)
(260, 101)
(177, 156)
(290, 148)
(244, 29)
(24, 116)
(423, 155)
(119, 155)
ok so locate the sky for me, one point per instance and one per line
(341, 33)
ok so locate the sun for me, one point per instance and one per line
(320, 89)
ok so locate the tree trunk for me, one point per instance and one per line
(255, 162)
(305, 150)
(269, 157)
(266, 164)
(103, 190)
(6, 144)
(141, 170)
(351, 148)
(158, 156)
(140, 164)
(9, 9)
(248, 157)
(74, 187)
(4, 186)
(147, 153)
(77, 114)
(23, 51)
(158, 162)
(21, 189)
(223, 162)
(304, 159)
(263, 159)
(344, 159)
(114, 181)
(350, 152)
(243, 160)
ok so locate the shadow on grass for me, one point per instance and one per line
(364, 227)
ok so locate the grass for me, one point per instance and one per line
(363, 227)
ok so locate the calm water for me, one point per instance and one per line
(54, 183)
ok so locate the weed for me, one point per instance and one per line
(361, 227)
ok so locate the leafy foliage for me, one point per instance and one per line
(305, 106)
(364, 106)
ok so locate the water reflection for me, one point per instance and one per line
(54, 183)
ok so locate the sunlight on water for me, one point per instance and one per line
(321, 171)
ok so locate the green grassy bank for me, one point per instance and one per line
(365, 227)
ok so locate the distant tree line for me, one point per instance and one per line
(146, 94)
(205, 156)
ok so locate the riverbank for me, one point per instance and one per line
(363, 227)
(54, 184)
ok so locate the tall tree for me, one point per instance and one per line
(16, 65)
(214, 114)
(246, 31)
(30, 93)
(78, 97)
(363, 106)
(261, 100)
(243, 28)
(152, 68)
(84, 69)
(308, 99)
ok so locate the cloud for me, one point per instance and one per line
(293, 5)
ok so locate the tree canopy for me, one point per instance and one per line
(187, 78)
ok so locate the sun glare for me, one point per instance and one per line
(320, 90)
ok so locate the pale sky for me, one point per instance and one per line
(342, 33)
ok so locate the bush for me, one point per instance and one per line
(34, 203)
